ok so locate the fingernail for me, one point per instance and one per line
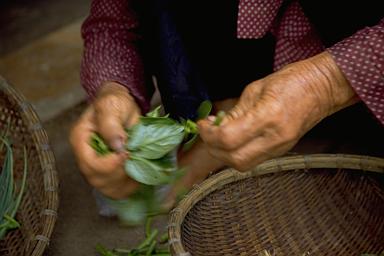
(118, 145)
(211, 118)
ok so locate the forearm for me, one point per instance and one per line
(110, 52)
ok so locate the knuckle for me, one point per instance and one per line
(226, 139)
(235, 112)
(251, 88)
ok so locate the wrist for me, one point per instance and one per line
(333, 89)
(114, 88)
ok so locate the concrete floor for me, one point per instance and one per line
(79, 227)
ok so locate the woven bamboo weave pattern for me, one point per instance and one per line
(37, 211)
(311, 205)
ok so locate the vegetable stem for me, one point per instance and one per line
(149, 239)
(148, 227)
(151, 248)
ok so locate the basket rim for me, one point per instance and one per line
(280, 164)
(47, 161)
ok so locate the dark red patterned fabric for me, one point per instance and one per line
(361, 58)
(110, 53)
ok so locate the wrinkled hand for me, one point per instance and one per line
(196, 162)
(273, 113)
(111, 111)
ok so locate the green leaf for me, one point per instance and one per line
(150, 172)
(9, 200)
(188, 145)
(131, 211)
(155, 112)
(23, 183)
(204, 109)
(98, 144)
(145, 120)
(219, 118)
(154, 140)
(190, 127)
(104, 251)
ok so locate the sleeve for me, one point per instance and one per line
(361, 58)
(110, 51)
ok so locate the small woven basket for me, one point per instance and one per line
(291, 206)
(37, 211)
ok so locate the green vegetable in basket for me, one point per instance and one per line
(9, 198)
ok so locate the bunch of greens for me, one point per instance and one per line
(9, 198)
(152, 145)
(152, 245)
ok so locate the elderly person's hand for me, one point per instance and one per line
(111, 111)
(273, 113)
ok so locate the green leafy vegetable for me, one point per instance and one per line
(153, 244)
(99, 145)
(150, 172)
(152, 145)
(133, 210)
(154, 139)
(219, 118)
(9, 199)
(204, 109)
(104, 251)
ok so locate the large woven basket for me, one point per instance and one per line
(293, 206)
(37, 211)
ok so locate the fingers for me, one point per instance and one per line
(105, 173)
(110, 118)
(115, 110)
(111, 112)
(87, 156)
(254, 152)
(235, 130)
(242, 123)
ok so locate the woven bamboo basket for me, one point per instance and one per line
(292, 206)
(38, 208)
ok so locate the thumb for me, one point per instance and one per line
(110, 118)
(115, 109)
(237, 128)
(110, 127)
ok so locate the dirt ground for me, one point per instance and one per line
(79, 227)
